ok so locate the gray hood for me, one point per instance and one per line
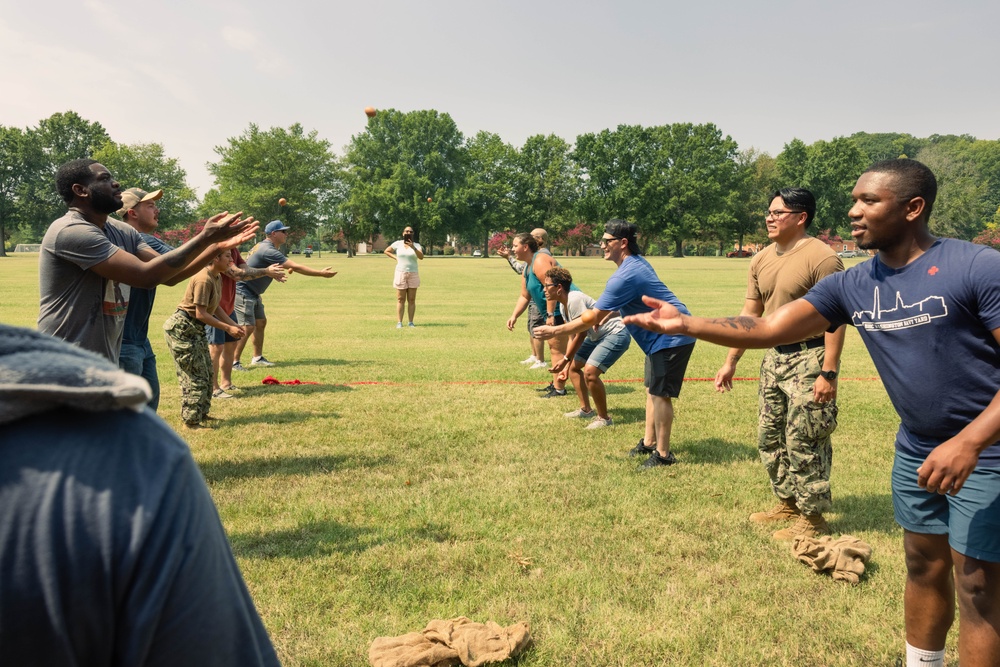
(39, 373)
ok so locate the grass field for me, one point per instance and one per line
(423, 478)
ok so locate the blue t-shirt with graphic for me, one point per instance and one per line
(928, 327)
(634, 278)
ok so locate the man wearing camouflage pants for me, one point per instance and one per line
(798, 382)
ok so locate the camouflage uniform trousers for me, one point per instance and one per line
(189, 348)
(794, 430)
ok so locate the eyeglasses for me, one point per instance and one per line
(550, 285)
(778, 213)
(606, 240)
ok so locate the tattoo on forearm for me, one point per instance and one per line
(741, 322)
(245, 274)
(181, 257)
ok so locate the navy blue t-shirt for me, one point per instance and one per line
(624, 291)
(140, 304)
(112, 552)
(928, 327)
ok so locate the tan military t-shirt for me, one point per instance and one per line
(202, 290)
(777, 279)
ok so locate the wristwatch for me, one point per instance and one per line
(829, 376)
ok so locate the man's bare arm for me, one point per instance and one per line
(793, 322)
(127, 268)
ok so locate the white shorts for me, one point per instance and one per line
(406, 280)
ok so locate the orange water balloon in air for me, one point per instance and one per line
(370, 112)
(282, 201)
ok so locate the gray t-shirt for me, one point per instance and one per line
(76, 304)
(261, 256)
(578, 302)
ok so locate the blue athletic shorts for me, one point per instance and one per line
(971, 519)
(218, 336)
(605, 352)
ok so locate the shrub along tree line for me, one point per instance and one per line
(688, 187)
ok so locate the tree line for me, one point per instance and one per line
(689, 187)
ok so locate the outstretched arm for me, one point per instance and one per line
(148, 271)
(327, 272)
(794, 321)
(724, 376)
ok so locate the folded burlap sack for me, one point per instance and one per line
(449, 643)
(843, 557)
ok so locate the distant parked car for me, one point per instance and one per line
(477, 253)
(848, 253)
(739, 253)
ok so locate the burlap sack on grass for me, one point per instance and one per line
(451, 643)
(843, 557)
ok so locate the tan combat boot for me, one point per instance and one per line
(785, 510)
(810, 525)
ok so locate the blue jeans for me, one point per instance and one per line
(140, 360)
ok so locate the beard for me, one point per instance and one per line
(104, 202)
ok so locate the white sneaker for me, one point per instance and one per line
(530, 360)
(538, 364)
(260, 361)
(597, 422)
(579, 413)
(399, 325)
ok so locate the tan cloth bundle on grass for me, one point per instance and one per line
(843, 557)
(450, 643)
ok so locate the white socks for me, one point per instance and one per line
(918, 657)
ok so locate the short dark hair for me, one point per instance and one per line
(622, 229)
(560, 276)
(799, 199)
(912, 179)
(528, 240)
(72, 173)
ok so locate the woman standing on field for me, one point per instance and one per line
(406, 252)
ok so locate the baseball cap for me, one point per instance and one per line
(275, 226)
(134, 196)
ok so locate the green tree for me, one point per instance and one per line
(339, 219)
(258, 168)
(548, 186)
(964, 206)
(489, 189)
(406, 168)
(146, 166)
(623, 175)
(755, 180)
(829, 169)
(700, 170)
(58, 139)
(20, 159)
(887, 145)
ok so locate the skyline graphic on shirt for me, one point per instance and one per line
(901, 315)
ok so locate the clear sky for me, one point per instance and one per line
(189, 74)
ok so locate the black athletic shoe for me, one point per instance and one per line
(551, 387)
(655, 460)
(553, 393)
(641, 449)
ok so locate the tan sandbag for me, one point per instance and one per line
(411, 650)
(449, 643)
(843, 557)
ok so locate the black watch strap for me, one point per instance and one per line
(829, 376)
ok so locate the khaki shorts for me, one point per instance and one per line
(406, 280)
